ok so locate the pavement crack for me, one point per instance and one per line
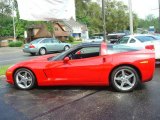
(61, 106)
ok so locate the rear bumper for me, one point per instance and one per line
(30, 50)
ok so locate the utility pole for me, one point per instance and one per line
(130, 16)
(159, 16)
(13, 15)
(104, 20)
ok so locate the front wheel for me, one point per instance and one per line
(24, 79)
(66, 47)
(124, 79)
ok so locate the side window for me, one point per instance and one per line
(132, 41)
(47, 41)
(55, 41)
(85, 52)
(123, 40)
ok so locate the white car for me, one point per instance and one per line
(142, 41)
(95, 39)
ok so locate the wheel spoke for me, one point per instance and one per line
(129, 83)
(19, 82)
(29, 80)
(118, 79)
(25, 74)
(19, 75)
(25, 83)
(130, 76)
(123, 73)
(122, 85)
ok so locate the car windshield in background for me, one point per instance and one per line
(157, 37)
(36, 41)
(112, 49)
(145, 38)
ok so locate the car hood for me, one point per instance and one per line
(42, 58)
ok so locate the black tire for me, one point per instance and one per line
(66, 47)
(29, 79)
(33, 54)
(127, 80)
(42, 51)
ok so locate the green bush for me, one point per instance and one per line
(71, 39)
(16, 44)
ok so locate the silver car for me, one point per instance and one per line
(43, 46)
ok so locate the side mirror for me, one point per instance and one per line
(66, 59)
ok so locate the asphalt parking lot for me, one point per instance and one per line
(81, 103)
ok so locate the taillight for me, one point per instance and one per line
(31, 46)
(150, 47)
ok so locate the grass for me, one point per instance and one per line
(3, 69)
(76, 42)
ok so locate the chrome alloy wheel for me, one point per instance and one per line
(125, 79)
(24, 79)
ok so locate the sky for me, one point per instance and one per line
(144, 7)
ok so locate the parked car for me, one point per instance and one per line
(43, 46)
(95, 39)
(142, 41)
(88, 64)
(112, 38)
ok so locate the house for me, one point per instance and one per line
(41, 31)
(79, 30)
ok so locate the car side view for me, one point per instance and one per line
(87, 64)
(43, 46)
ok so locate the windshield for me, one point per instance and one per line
(145, 38)
(157, 37)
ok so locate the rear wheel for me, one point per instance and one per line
(24, 79)
(42, 51)
(124, 79)
(66, 47)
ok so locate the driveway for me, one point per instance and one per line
(81, 103)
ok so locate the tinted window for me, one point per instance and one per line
(123, 40)
(55, 41)
(132, 41)
(36, 41)
(145, 38)
(90, 50)
(47, 41)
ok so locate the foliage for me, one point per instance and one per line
(3, 69)
(117, 16)
(87, 12)
(150, 20)
(16, 44)
(70, 39)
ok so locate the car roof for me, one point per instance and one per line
(135, 35)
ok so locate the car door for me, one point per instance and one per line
(48, 44)
(58, 45)
(79, 71)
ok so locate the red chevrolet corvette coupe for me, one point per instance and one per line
(87, 64)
